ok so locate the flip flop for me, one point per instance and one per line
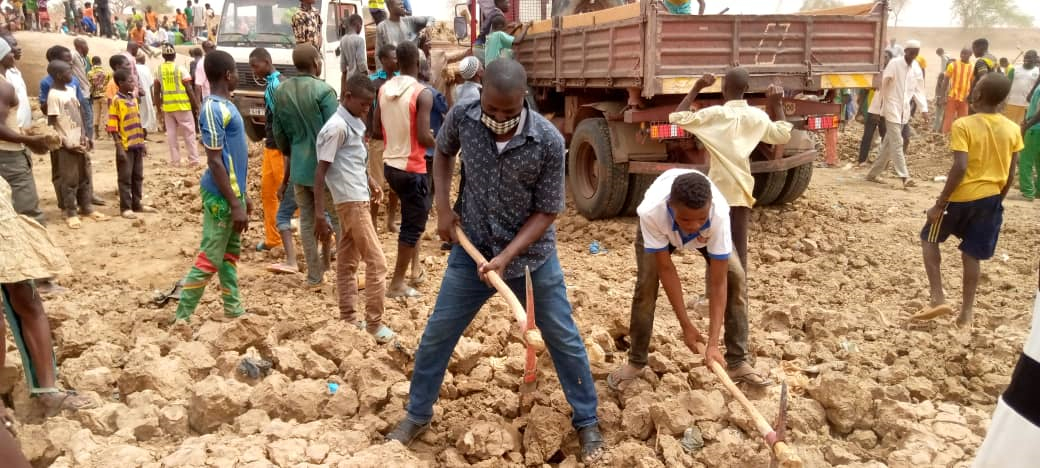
(55, 400)
(282, 269)
(407, 292)
(747, 374)
(74, 222)
(617, 383)
(929, 313)
(384, 335)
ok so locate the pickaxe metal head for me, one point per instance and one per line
(780, 426)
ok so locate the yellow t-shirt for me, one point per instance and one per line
(989, 140)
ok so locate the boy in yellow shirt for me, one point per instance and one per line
(985, 152)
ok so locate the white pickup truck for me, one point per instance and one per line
(246, 25)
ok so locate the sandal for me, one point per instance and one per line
(744, 373)
(55, 400)
(618, 383)
(929, 313)
(161, 298)
(97, 216)
(384, 335)
(282, 269)
(73, 222)
(591, 441)
(407, 292)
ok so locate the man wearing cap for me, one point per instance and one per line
(901, 84)
(471, 71)
(175, 97)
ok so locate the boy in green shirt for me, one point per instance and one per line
(302, 105)
(499, 43)
(1028, 177)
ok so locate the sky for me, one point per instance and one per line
(934, 13)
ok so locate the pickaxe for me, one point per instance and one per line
(783, 455)
(524, 317)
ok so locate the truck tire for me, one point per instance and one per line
(598, 185)
(797, 182)
(768, 186)
(255, 132)
(637, 185)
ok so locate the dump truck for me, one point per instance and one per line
(610, 78)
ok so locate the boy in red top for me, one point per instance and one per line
(404, 116)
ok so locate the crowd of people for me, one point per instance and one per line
(193, 23)
(389, 131)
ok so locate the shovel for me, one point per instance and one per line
(529, 333)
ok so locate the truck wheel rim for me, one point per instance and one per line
(588, 171)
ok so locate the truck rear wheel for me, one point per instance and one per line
(598, 185)
(637, 185)
(797, 182)
(768, 186)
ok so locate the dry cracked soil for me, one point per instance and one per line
(834, 277)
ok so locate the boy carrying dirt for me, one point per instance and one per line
(124, 124)
(225, 202)
(66, 116)
(343, 168)
(985, 151)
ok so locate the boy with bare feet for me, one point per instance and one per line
(66, 116)
(985, 152)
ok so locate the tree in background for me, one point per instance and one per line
(158, 6)
(820, 4)
(986, 13)
(897, 7)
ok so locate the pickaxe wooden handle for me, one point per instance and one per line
(784, 454)
(531, 335)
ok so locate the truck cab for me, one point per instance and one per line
(246, 25)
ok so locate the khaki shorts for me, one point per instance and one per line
(375, 161)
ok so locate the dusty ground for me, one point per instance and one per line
(833, 278)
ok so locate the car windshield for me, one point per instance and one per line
(258, 23)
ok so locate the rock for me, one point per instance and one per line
(630, 455)
(317, 452)
(251, 422)
(373, 397)
(635, 418)
(247, 331)
(308, 399)
(99, 379)
(145, 398)
(287, 452)
(704, 405)
(846, 400)
(671, 417)
(343, 404)
(146, 369)
(101, 420)
(215, 401)
(864, 438)
(125, 456)
(894, 419)
(672, 451)
(316, 366)
(951, 431)
(771, 256)
(544, 434)
(465, 356)
(838, 455)
(485, 440)
(388, 454)
(197, 357)
(186, 456)
(920, 388)
(141, 423)
(174, 421)
(287, 361)
(271, 395)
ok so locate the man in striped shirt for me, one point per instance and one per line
(959, 74)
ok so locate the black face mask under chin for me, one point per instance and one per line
(500, 128)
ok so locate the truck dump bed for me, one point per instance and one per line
(606, 49)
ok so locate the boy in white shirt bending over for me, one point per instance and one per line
(682, 209)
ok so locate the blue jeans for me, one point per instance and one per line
(462, 294)
(286, 209)
(88, 115)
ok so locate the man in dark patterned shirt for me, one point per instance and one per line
(306, 24)
(518, 157)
